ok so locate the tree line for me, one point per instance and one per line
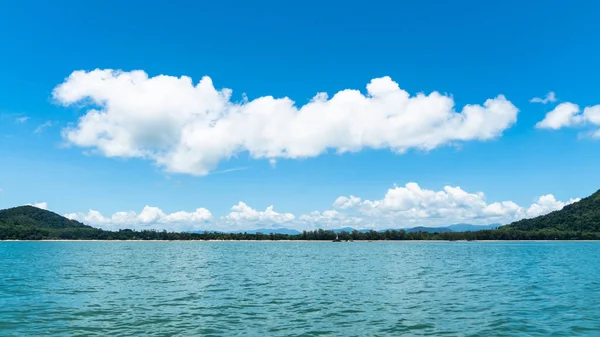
(88, 233)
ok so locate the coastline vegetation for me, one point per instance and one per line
(23, 233)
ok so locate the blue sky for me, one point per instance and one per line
(470, 51)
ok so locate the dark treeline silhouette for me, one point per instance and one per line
(28, 233)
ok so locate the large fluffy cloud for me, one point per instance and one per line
(401, 207)
(190, 128)
(410, 205)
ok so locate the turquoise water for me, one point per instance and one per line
(300, 288)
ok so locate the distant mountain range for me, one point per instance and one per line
(451, 228)
(269, 231)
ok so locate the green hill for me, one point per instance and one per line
(29, 216)
(32, 223)
(582, 216)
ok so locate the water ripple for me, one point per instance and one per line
(299, 289)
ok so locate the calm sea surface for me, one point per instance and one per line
(300, 288)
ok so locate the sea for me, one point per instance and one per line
(300, 289)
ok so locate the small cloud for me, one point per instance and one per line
(273, 162)
(229, 170)
(550, 98)
(568, 114)
(594, 135)
(563, 115)
(41, 205)
(346, 203)
(41, 127)
(22, 119)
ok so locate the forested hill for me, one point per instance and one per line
(29, 216)
(582, 216)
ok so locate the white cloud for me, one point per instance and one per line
(550, 98)
(411, 205)
(235, 169)
(189, 128)
(43, 126)
(330, 219)
(148, 218)
(346, 202)
(401, 207)
(41, 205)
(569, 114)
(546, 204)
(243, 216)
(591, 114)
(22, 119)
(563, 115)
